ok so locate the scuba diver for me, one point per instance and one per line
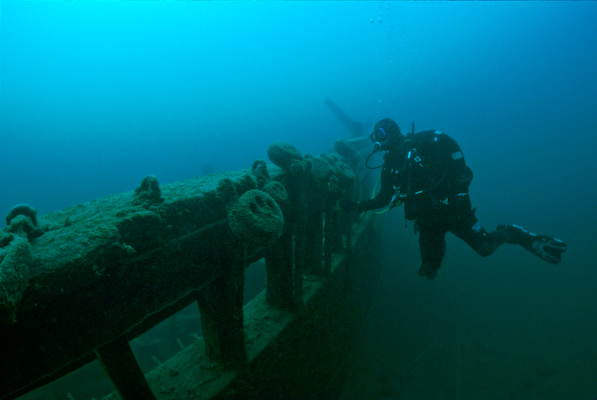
(426, 171)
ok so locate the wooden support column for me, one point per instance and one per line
(221, 310)
(328, 234)
(314, 244)
(336, 238)
(278, 268)
(346, 223)
(300, 198)
(120, 365)
(300, 242)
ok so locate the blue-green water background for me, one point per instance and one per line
(96, 95)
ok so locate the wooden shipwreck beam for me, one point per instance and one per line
(79, 284)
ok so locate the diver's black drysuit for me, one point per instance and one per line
(432, 181)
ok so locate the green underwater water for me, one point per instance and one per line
(495, 328)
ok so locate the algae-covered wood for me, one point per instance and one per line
(116, 266)
(83, 281)
(291, 354)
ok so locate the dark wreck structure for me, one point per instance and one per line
(77, 285)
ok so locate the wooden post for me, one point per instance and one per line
(300, 199)
(337, 244)
(120, 365)
(347, 220)
(300, 242)
(221, 311)
(278, 269)
(328, 232)
(314, 244)
(347, 228)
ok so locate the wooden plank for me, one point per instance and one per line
(221, 310)
(120, 364)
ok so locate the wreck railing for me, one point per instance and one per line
(80, 283)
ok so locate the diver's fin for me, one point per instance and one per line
(548, 248)
(355, 127)
(545, 247)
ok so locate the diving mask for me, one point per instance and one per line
(379, 137)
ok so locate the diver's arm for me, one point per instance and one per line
(384, 197)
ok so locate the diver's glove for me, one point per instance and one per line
(545, 247)
(396, 201)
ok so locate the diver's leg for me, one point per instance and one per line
(545, 247)
(432, 244)
(469, 229)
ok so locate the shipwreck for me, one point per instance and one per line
(79, 284)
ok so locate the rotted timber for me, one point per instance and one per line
(110, 269)
(292, 352)
(103, 272)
